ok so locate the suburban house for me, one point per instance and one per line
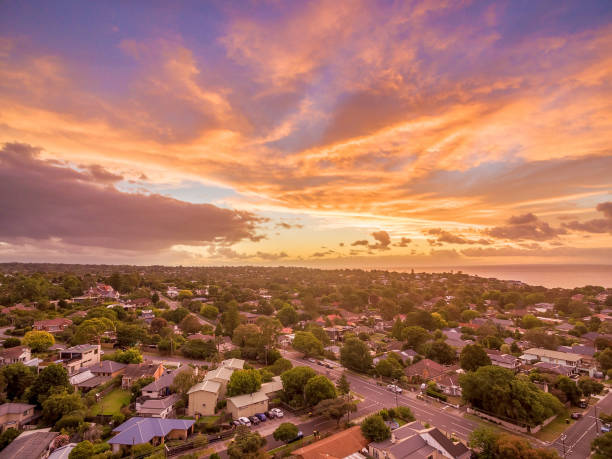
(108, 368)
(448, 384)
(337, 446)
(135, 371)
(52, 325)
(161, 387)
(139, 430)
(545, 355)
(221, 375)
(157, 407)
(97, 374)
(82, 356)
(424, 370)
(505, 361)
(414, 440)
(15, 415)
(203, 398)
(31, 444)
(17, 354)
(233, 364)
(257, 402)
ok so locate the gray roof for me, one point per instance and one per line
(30, 445)
(220, 373)
(139, 430)
(81, 348)
(62, 452)
(454, 449)
(107, 366)
(248, 399)
(206, 386)
(14, 408)
(164, 381)
(159, 403)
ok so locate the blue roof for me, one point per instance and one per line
(137, 430)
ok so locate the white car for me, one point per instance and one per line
(394, 388)
(277, 412)
(245, 421)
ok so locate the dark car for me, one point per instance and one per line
(299, 436)
(236, 423)
(576, 415)
(262, 417)
(254, 420)
(270, 414)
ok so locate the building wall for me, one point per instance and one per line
(14, 419)
(202, 402)
(248, 410)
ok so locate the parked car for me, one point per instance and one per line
(583, 403)
(576, 415)
(245, 421)
(236, 423)
(270, 414)
(262, 417)
(311, 360)
(277, 412)
(320, 362)
(299, 436)
(254, 420)
(394, 388)
(605, 428)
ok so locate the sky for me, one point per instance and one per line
(318, 133)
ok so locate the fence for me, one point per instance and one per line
(523, 428)
(194, 444)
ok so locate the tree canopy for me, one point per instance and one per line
(243, 382)
(355, 355)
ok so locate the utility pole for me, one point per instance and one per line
(395, 390)
(596, 422)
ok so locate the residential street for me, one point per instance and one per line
(579, 436)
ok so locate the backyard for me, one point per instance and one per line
(112, 402)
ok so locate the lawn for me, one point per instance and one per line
(112, 402)
(285, 449)
(208, 419)
(555, 428)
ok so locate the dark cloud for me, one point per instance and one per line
(597, 225)
(42, 200)
(288, 226)
(525, 227)
(404, 241)
(321, 254)
(341, 244)
(360, 242)
(383, 240)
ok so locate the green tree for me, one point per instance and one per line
(246, 445)
(52, 378)
(139, 384)
(343, 386)
(91, 330)
(7, 437)
(317, 389)
(569, 388)
(83, 450)
(374, 428)
(589, 386)
(209, 311)
(473, 356)
(334, 408)
(17, 378)
(184, 381)
(57, 405)
(355, 355)
(415, 336)
(38, 341)
(230, 319)
(308, 344)
(285, 432)
(287, 315)
(11, 342)
(530, 321)
(294, 382)
(605, 359)
(280, 366)
(441, 352)
(198, 349)
(131, 355)
(602, 446)
(190, 324)
(243, 382)
(129, 335)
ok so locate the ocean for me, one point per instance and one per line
(550, 276)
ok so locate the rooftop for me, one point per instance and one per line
(14, 408)
(29, 444)
(206, 386)
(139, 430)
(339, 445)
(553, 354)
(219, 373)
(248, 399)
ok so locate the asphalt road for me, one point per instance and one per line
(578, 436)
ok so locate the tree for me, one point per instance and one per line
(343, 386)
(355, 355)
(11, 342)
(59, 404)
(209, 311)
(280, 366)
(605, 359)
(473, 356)
(334, 408)
(539, 338)
(131, 355)
(374, 428)
(139, 384)
(285, 432)
(485, 440)
(129, 335)
(198, 349)
(494, 445)
(7, 437)
(246, 445)
(415, 336)
(530, 321)
(602, 445)
(569, 388)
(184, 381)
(83, 450)
(269, 327)
(243, 382)
(317, 389)
(589, 386)
(287, 315)
(190, 324)
(246, 335)
(17, 378)
(308, 344)
(91, 330)
(158, 324)
(294, 382)
(52, 377)
(230, 319)
(441, 352)
(38, 341)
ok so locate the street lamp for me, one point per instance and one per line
(563, 441)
